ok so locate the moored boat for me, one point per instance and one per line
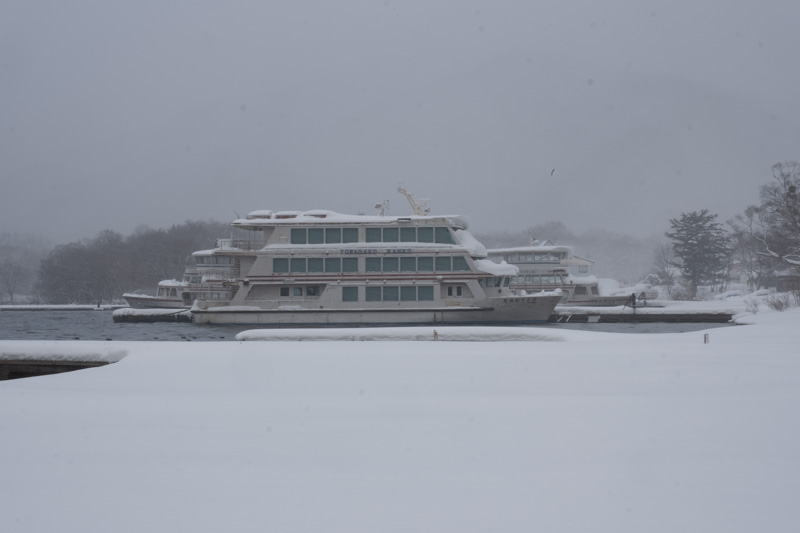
(546, 267)
(321, 268)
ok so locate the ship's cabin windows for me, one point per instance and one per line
(349, 235)
(583, 269)
(323, 235)
(493, 282)
(454, 291)
(297, 291)
(312, 290)
(425, 234)
(595, 291)
(393, 293)
(284, 291)
(429, 234)
(460, 264)
(349, 264)
(580, 290)
(349, 294)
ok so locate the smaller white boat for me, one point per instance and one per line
(203, 279)
(169, 295)
(545, 267)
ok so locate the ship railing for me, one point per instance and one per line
(239, 244)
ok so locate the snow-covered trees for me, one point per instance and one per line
(103, 268)
(701, 249)
(774, 224)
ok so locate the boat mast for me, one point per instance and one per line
(420, 208)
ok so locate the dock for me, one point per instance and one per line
(128, 315)
(640, 315)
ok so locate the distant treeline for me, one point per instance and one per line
(103, 268)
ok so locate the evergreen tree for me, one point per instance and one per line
(701, 248)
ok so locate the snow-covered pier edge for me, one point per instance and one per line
(128, 314)
(20, 359)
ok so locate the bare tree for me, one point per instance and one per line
(774, 224)
(664, 264)
(12, 277)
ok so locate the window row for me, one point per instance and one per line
(324, 235)
(538, 257)
(206, 260)
(300, 265)
(544, 278)
(389, 293)
(430, 234)
(438, 234)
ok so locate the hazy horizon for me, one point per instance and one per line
(620, 116)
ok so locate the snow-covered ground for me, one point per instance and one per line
(593, 432)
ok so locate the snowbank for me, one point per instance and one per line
(600, 432)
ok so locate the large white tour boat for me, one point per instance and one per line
(319, 268)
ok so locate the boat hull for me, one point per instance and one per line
(143, 301)
(514, 310)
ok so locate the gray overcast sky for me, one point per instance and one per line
(116, 114)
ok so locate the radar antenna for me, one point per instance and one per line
(382, 207)
(420, 207)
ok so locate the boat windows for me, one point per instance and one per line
(298, 236)
(333, 264)
(408, 234)
(408, 294)
(391, 235)
(506, 282)
(454, 290)
(373, 234)
(350, 264)
(312, 290)
(315, 264)
(280, 265)
(443, 264)
(392, 293)
(408, 264)
(297, 291)
(316, 236)
(425, 264)
(391, 264)
(349, 235)
(297, 264)
(439, 234)
(595, 291)
(460, 264)
(580, 290)
(443, 236)
(425, 234)
(323, 235)
(349, 294)
(372, 264)
(333, 235)
(284, 291)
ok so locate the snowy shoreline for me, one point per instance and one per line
(602, 431)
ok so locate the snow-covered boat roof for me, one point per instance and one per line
(530, 249)
(262, 217)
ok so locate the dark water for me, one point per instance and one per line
(98, 325)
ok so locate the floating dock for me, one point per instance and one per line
(640, 315)
(151, 315)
